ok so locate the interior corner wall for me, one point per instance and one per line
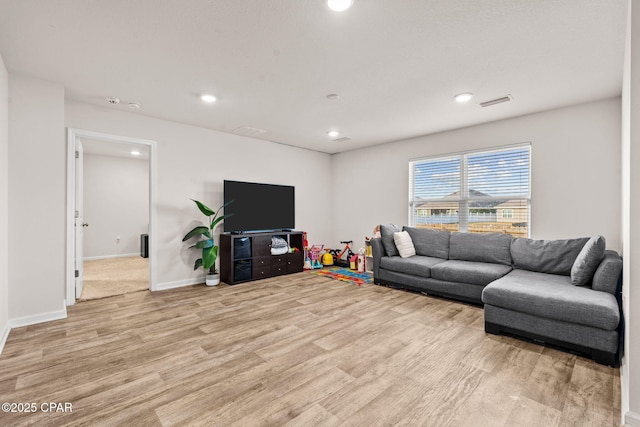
(116, 205)
(193, 162)
(37, 200)
(4, 202)
(630, 369)
(575, 176)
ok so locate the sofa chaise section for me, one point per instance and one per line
(549, 308)
(562, 292)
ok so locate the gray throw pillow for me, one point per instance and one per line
(588, 261)
(386, 235)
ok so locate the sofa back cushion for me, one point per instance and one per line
(433, 243)
(386, 235)
(487, 247)
(546, 256)
(607, 274)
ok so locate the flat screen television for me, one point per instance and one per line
(258, 207)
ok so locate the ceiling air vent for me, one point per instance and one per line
(496, 101)
(343, 139)
(248, 131)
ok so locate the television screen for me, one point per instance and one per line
(258, 207)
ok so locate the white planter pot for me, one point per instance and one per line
(213, 279)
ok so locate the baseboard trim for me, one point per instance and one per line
(38, 318)
(96, 258)
(177, 284)
(631, 419)
(5, 335)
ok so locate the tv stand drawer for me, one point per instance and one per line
(261, 272)
(261, 262)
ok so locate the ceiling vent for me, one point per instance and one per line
(343, 139)
(496, 101)
(248, 131)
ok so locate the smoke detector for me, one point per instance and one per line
(113, 101)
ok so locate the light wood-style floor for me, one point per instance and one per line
(297, 350)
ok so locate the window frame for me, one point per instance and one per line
(464, 198)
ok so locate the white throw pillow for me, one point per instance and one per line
(404, 244)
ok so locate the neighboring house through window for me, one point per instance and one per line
(475, 191)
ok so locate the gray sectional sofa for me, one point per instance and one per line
(561, 292)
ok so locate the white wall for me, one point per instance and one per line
(4, 201)
(193, 162)
(36, 200)
(630, 370)
(116, 205)
(575, 173)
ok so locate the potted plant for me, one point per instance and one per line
(206, 243)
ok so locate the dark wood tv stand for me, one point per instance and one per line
(247, 256)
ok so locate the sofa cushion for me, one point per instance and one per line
(546, 256)
(430, 242)
(415, 265)
(404, 244)
(588, 261)
(486, 247)
(552, 296)
(607, 274)
(386, 234)
(475, 273)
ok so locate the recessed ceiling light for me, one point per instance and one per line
(135, 153)
(208, 98)
(463, 97)
(339, 5)
(135, 105)
(333, 133)
(333, 97)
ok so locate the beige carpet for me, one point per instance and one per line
(114, 276)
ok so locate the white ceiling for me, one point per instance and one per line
(395, 64)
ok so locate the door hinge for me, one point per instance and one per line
(77, 214)
(77, 154)
(77, 273)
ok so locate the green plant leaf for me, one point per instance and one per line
(209, 256)
(197, 231)
(216, 221)
(204, 208)
(197, 264)
(202, 244)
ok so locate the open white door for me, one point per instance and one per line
(75, 217)
(79, 219)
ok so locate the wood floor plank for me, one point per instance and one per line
(294, 350)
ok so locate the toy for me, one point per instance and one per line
(361, 261)
(376, 233)
(353, 262)
(314, 256)
(338, 255)
(327, 259)
(305, 246)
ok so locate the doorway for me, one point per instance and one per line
(121, 253)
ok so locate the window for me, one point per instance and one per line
(507, 213)
(478, 192)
